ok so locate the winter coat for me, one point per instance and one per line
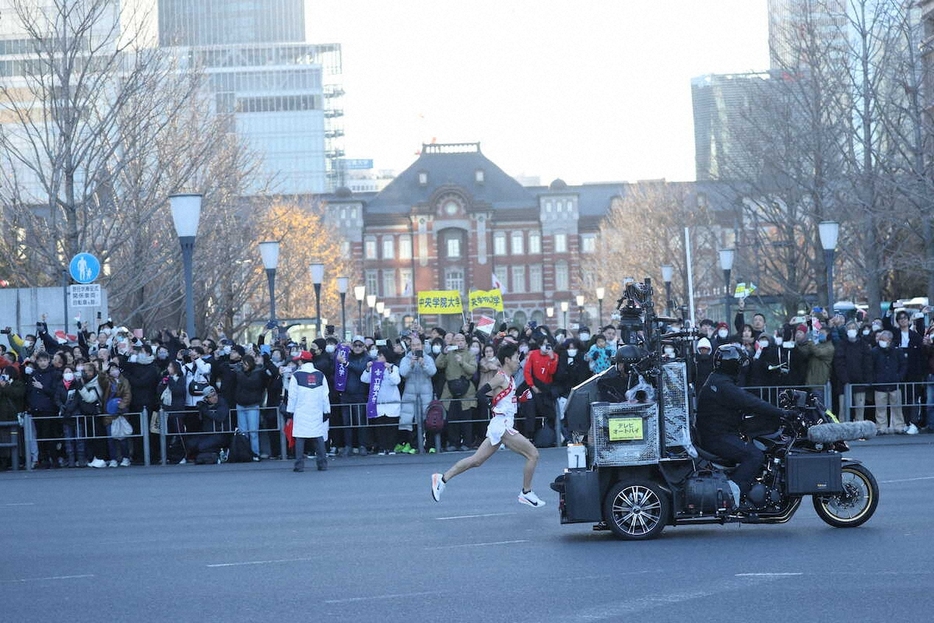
(143, 379)
(759, 374)
(457, 364)
(308, 402)
(852, 363)
(356, 364)
(888, 368)
(41, 401)
(12, 400)
(572, 371)
(388, 398)
(820, 361)
(250, 387)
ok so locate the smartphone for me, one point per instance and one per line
(380, 342)
(418, 353)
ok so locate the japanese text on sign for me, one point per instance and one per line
(440, 302)
(625, 429)
(85, 295)
(486, 298)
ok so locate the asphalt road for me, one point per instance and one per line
(365, 542)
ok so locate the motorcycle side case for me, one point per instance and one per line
(581, 497)
(813, 474)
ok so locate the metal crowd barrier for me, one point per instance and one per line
(13, 444)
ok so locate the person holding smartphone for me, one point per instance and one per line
(417, 369)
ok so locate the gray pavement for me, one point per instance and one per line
(365, 542)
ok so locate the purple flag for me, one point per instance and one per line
(340, 372)
(376, 380)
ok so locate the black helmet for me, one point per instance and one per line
(730, 359)
(628, 354)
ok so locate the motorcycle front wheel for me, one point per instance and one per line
(636, 510)
(855, 505)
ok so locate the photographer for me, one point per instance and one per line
(417, 370)
(458, 367)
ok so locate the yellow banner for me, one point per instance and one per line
(486, 298)
(440, 302)
(625, 429)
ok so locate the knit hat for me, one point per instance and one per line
(803, 328)
(704, 343)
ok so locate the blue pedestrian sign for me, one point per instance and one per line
(84, 268)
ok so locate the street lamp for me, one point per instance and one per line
(186, 212)
(726, 263)
(829, 230)
(269, 251)
(317, 276)
(342, 284)
(601, 292)
(667, 273)
(378, 319)
(371, 303)
(550, 312)
(580, 310)
(564, 309)
(359, 293)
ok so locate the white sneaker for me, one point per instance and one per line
(912, 430)
(125, 462)
(530, 499)
(437, 487)
(111, 463)
(183, 461)
(98, 463)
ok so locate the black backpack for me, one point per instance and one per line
(240, 450)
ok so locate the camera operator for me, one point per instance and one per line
(721, 405)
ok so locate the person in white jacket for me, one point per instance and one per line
(310, 410)
(388, 402)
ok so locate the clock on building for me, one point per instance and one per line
(450, 208)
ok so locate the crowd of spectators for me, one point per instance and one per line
(210, 386)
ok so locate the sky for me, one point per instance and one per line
(584, 90)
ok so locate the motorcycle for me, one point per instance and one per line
(635, 485)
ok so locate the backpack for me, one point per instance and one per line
(545, 437)
(434, 416)
(207, 458)
(240, 450)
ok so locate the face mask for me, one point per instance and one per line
(225, 350)
(764, 343)
(27, 343)
(29, 369)
(436, 349)
(474, 350)
(669, 350)
(276, 358)
(163, 355)
(330, 348)
(866, 331)
(883, 344)
(722, 333)
(115, 373)
(585, 336)
(851, 333)
(876, 327)
(572, 352)
(68, 377)
(373, 353)
(132, 358)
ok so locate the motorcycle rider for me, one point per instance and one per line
(721, 406)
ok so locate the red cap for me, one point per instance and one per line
(723, 325)
(803, 328)
(303, 356)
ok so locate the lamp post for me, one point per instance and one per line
(601, 292)
(564, 309)
(186, 212)
(387, 314)
(829, 231)
(580, 310)
(726, 263)
(371, 303)
(317, 276)
(378, 319)
(269, 251)
(667, 273)
(550, 312)
(342, 284)
(359, 293)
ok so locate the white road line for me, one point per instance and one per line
(478, 544)
(50, 578)
(20, 504)
(889, 482)
(258, 562)
(473, 516)
(375, 597)
(767, 575)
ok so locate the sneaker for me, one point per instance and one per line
(531, 499)
(125, 462)
(222, 455)
(255, 458)
(392, 453)
(407, 449)
(98, 463)
(437, 487)
(431, 451)
(382, 453)
(911, 430)
(112, 463)
(399, 448)
(332, 452)
(184, 461)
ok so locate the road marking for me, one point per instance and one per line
(375, 597)
(478, 544)
(20, 504)
(473, 516)
(889, 482)
(259, 562)
(53, 577)
(767, 575)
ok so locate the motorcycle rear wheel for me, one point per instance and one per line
(855, 505)
(636, 510)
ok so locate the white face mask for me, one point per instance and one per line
(585, 337)
(722, 333)
(475, 350)
(764, 343)
(330, 348)
(27, 343)
(851, 333)
(373, 353)
(29, 370)
(572, 352)
(68, 377)
(866, 331)
(883, 344)
(669, 350)
(876, 327)
(436, 349)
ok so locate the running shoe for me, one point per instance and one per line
(437, 487)
(530, 499)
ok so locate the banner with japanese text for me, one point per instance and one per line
(440, 302)
(486, 298)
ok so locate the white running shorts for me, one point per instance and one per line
(499, 426)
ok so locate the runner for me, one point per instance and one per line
(500, 431)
